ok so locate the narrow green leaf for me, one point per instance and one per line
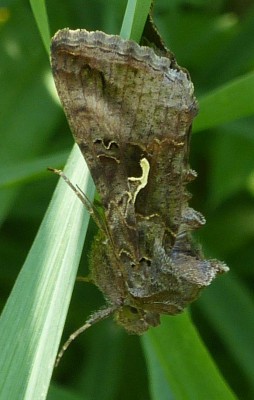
(28, 114)
(227, 103)
(177, 356)
(33, 318)
(135, 18)
(40, 15)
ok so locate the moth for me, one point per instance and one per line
(131, 111)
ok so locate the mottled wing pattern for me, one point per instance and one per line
(146, 112)
(130, 112)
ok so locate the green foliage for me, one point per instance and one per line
(178, 363)
(213, 39)
(134, 19)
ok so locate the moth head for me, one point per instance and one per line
(136, 320)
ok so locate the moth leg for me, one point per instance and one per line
(86, 279)
(97, 316)
(81, 195)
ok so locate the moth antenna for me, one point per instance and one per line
(87, 203)
(97, 316)
(82, 196)
(86, 279)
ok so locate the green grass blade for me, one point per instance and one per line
(34, 316)
(227, 103)
(180, 367)
(40, 15)
(134, 19)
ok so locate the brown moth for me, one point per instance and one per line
(130, 112)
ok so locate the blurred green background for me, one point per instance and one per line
(214, 41)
